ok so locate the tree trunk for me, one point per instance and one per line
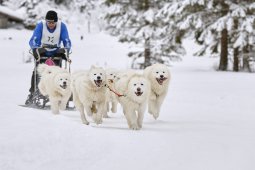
(236, 59)
(224, 50)
(88, 26)
(245, 58)
(147, 50)
(236, 52)
(147, 53)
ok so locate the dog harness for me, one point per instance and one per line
(119, 95)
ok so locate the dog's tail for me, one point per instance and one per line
(42, 69)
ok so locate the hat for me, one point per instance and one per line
(52, 15)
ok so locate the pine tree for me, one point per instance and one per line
(222, 27)
(244, 40)
(31, 18)
(136, 22)
(196, 17)
(85, 8)
(2, 2)
(36, 10)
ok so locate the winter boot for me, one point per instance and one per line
(29, 100)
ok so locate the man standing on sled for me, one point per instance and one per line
(46, 41)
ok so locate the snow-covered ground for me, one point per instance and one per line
(206, 123)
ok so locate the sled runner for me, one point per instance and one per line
(37, 100)
(47, 107)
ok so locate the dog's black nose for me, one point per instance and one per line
(138, 89)
(64, 83)
(161, 76)
(98, 77)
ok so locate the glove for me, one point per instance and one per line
(35, 54)
(61, 52)
(41, 51)
(64, 57)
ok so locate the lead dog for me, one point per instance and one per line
(135, 89)
(159, 77)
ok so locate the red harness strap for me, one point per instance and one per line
(119, 95)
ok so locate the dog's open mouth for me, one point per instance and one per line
(64, 86)
(161, 80)
(98, 82)
(138, 93)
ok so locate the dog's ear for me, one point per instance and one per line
(129, 77)
(150, 72)
(92, 67)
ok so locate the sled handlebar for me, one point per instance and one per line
(49, 46)
(67, 51)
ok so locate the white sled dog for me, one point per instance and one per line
(55, 83)
(159, 77)
(44, 69)
(111, 98)
(136, 90)
(89, 93)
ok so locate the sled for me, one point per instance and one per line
(39, 101)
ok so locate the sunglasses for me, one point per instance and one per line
(50, 22)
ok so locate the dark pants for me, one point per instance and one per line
(58, 62)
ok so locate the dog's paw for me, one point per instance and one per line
(155, 115)
(44, 93)
(96, 120)
(55, 112)
(150, 112)
(62, 107)
(140, 126)
(99, 121)
(106, 116)
(134, 127)
(114, 110)
(85, 122)
(94, 117)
